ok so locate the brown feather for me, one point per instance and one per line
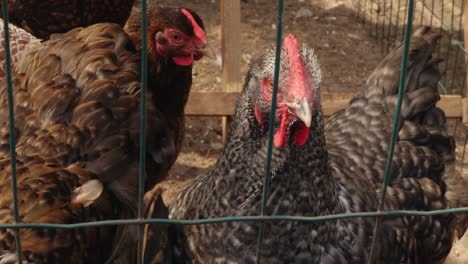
(42, 18)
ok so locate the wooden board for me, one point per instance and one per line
(452, 105)
(224, 104)
(231, 44)
(231, 51)
(465, 110)
(211, 103)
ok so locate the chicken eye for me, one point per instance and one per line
(176, 37)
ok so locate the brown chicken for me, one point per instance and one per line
(44, 17)
(50, 194)
(19, 38)
(77, 100)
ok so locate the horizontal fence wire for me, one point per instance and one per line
(11, 136)
(216, 220)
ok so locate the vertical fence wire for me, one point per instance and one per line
(144, 84)
(441, 24)
(382, 45)
(377, 15)
(449, 45)
(432, 14)
(397, 20)
(371, 15)
(271, 127)
(423, 6)
(11, 119)
(396, 121)
(404, 29)
(457, 52)
(363, 12)
(462, 162)
(457, 122)
(464, 79)
(464, 52)
(390, 25)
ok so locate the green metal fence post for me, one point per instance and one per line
(144, 84)
(396, 121)
(11, 119)
(271, 127)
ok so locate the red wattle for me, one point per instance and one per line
(258, 115)
(301, 134)
(183, 60)
(280, 135)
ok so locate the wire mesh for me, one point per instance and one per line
(375, 23)
(446, 15)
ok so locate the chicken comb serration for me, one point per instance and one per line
(199, 32)
(298, 80)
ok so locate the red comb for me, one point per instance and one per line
(298, 83)
(199, 32)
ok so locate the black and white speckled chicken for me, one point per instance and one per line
(319, 170)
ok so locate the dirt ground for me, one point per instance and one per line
(346, 51)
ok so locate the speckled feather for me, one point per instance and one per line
(77, 100)
(45, 17)
(45, 195)
(340, 169)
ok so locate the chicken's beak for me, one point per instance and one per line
(301, 108)
(206, 51)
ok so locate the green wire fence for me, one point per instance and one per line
(11, 128)
(384, 24)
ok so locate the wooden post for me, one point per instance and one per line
(231, 50)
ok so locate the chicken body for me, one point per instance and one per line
(45, 17)
(319, 170)
(48, 193)
(77, 103)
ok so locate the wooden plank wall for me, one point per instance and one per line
(224, 104)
